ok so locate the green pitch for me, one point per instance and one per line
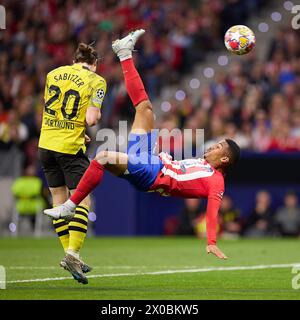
(152, 268)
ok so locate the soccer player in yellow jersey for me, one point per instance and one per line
(73, 99)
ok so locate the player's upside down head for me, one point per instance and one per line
(223, 154)
(189, 178)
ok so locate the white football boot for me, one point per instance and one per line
(123, 47)
(64, 211)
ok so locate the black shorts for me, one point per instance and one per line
(63, 169)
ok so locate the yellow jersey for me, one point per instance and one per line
(69, 91)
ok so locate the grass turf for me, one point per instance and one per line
(39, 258)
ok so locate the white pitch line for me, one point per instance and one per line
(154, 273)
(56, 267)
(94, 267)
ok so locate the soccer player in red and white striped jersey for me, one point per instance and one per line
(190, 178)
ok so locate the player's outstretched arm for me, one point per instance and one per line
(212, 211)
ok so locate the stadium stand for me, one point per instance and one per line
(256, 103)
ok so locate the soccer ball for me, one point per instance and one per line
(239, 39)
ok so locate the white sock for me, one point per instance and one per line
(124, 54)
(70, 205)
(73, 253)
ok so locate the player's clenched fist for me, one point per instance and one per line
(216, 251)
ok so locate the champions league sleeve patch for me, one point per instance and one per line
(98, 97)
(100, 94)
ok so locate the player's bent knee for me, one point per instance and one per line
(59, 195)
(107, 157)
(101, 156)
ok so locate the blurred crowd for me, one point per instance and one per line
(255, 103)
(263, 220)
(42, 35)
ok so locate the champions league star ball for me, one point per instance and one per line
(239, 39)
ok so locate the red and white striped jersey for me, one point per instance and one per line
(192, 178)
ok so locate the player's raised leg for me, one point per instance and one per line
(144, 118)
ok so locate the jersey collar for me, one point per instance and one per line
(79, 66)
